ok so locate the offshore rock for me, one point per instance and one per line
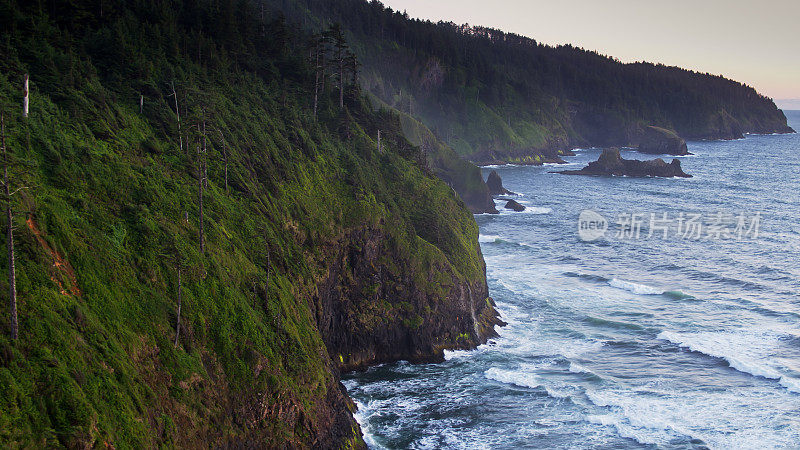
(611, 163)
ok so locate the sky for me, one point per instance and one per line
(754, 42)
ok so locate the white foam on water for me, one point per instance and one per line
(536, 210)
(499, 166)
(748, 352)
(488, 238)
(792, 384)
(636, 288)
(727, 419)
(455, 354)
(559, 393)
(577, 368)
(362, 415)
(647, 420)
(624, 429)
(523, 377)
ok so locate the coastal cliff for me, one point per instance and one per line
(199, 254)
(497, 97)
(377, 304)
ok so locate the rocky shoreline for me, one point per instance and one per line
(649, 140)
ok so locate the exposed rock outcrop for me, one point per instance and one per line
(611, 163)
(660, 141)
(514, 205)
(495, 184)
(373, 306)
(550, 153)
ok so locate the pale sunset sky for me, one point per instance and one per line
(754, 42)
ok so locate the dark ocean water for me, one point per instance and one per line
(624, 342)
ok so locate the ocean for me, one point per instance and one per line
(679, 327)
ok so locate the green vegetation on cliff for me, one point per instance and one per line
(310, 211)
(493, 95)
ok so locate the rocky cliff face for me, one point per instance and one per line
(660, 141)
(375, 305)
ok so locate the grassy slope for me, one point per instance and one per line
(95, 362)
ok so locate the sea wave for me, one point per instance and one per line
(624, 429)
(579, 369)
(558, 393)
(679, 295)
(522, 377)
(613, 324)
(636, 288)
(737, 351)
(587, 276)
(455, 354)
(489, 238)
(362, 415)
(495, 239)
(644, 420)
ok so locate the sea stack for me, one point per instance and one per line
(514, 205)
(611, 163)
(660, 141)
(495, 184)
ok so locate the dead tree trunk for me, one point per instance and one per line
(225, 155)
(178, 325)
(266, 283)
(263, 22)
(178, 114)
(200, 195)
(379, 141)
(323, 69)
(12, 276)
(25, 98)
(341, 80)
(205, 152)
(319, 73)
(141, 104)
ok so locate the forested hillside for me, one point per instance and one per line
(197, 252)
(499, 96)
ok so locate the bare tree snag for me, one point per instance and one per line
(340, 46)
(379, 141)
(224, 144)
(180, 301)
(205, 152)
(341, 79)
(319, 69)
(25, 98)
(178, 114)
(200, 196)
(263, 22)
(141, 103)
(12, 276)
